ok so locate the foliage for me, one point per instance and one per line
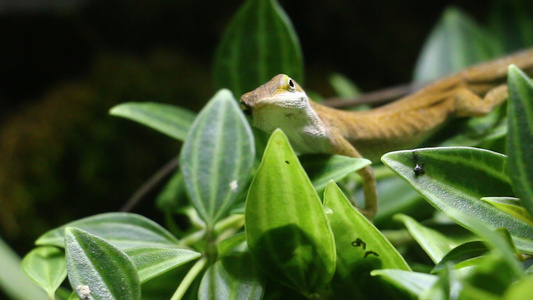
(302, 236)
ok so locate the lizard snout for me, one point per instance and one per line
(246, 104)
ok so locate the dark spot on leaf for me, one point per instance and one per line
(287, 162)
(359, 242)
(415, 157)
(367, 253)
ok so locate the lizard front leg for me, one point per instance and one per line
(343, 147)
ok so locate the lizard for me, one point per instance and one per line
(403, 124)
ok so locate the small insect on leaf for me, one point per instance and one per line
(419, 170)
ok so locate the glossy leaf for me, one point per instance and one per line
(520, 136)
(413, 282)
(217, 157)
(99, 270)
(492, 274)
(235, 276)
(323, 168)
(46, 266)
(461, 253)
(435, 244)
(168, 119)
(152, 262)
(286, 228)
(360, 248)
(227, 245)
(454, 43)
(396, 196)
(469, 292)
(444, 288)
(498, 243)
(510, 206)
(124, 230)
(259, 43)
(456, 178)
(520, 290)
(342, 216)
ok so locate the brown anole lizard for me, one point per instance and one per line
(314, 128)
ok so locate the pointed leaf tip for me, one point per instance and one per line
(286, 227)
(217, 156)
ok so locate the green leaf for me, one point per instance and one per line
(342, 215)
(152, 262)
(217, 157)
(454, 43)
(510, 206)
(444, 288)
(498, 243)
(343, 87)
(173, 195)
(97, 269)
(46, 266)
(469, 292)
(259, 43)
(396, 196)
(492, 274)
(520, 290)
(323, 168)
(413, 282)
(13, 282)
(286, 228)
(520, 136)
(435, 244)
(456, 178)
(227, 245)
(461, 253)
(474, 131)
(235, 276)
(360, 248)
(124, 230)
(168, 119)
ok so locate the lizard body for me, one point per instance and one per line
(314, 128)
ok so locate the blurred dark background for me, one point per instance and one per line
(63, 64)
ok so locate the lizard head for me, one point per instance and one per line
(282, 103)
(276, 103)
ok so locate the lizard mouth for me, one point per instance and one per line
(246, 109)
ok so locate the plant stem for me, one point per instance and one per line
(236, 221)
(150, 184)
(189, 278)
(211, 251)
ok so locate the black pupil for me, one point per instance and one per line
(291, 84)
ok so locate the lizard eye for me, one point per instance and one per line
(291, 85)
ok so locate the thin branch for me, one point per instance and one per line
(149, 184)
(189, 278)
(377, 97)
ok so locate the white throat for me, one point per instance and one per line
(296, 117)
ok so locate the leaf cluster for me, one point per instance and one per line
(265, 223)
